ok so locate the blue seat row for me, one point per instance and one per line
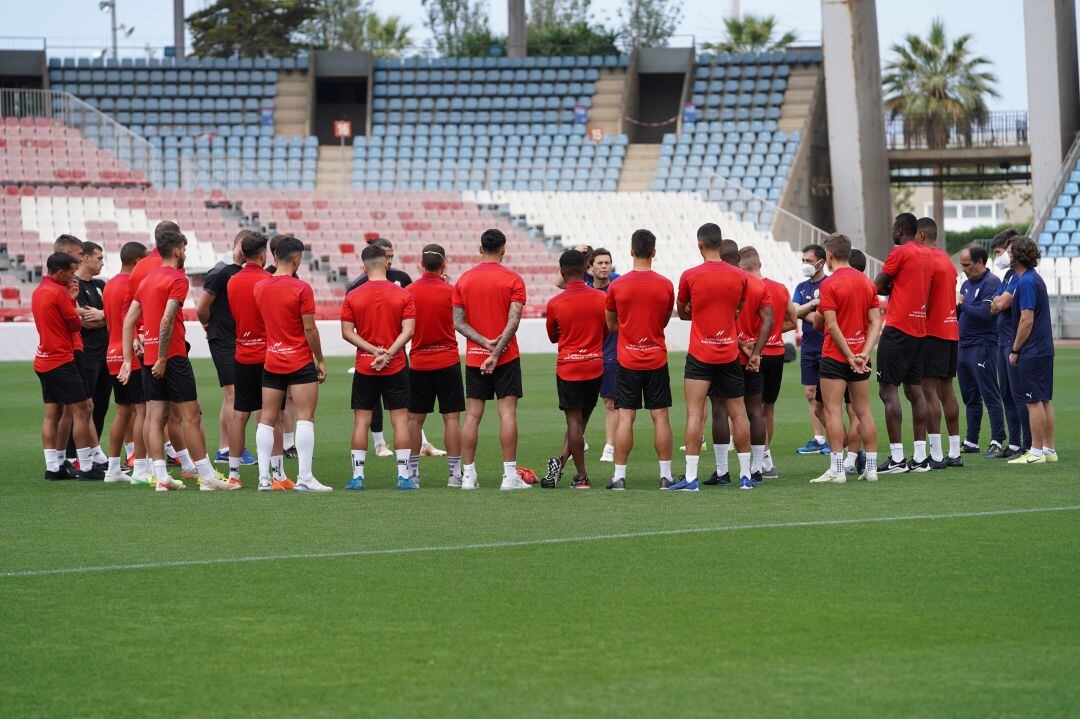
(525, 91)
(494, 63)
(535, 75)
(500, 117)
(86, 91)
(734, 72)
(190, 63)
(161, 77)
(806, 56)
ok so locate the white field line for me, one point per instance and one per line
(527, 542)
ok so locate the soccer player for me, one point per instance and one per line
(639, 308)
(603, 276)
(806, 298)
(286, 423)
(62, 386)
(976, 367)
(435, 371)
(1033, 350)
(158, 304)
(488, 300)
(95, 336)
(577, 323)
(772, 355)
(294, 363)
(1016, 414)
(215, 315)
(905, 278)
(130, 400)
(712, 296)
(849, 304)
(378, 318)
(940, 351)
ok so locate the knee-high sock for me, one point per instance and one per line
(264, 446)
(305, 446)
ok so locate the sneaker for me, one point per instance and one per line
(617, 484)
(716, 479)
(954, 461)
(470, 483)
(404, 483)
(66, 471)
(510, 484)
(1009, 453)
(683, 486)
(682, 447)
(216, 483)
(289, 453)
(829, 477)
(265, 485)
(453, 482)
(935, 464)
(756, 477)
(430, 450)
(282, 484)
(892, 467)
(246, 458)
(169, 485)
(581, 483)
(770, 473)
(184, 474)
(966, 448)
(234, 479)
(221, 457)
(811, 447)
(868, 476)
(381, 450)
(608, 455)
(554, 473)
(102, 467)
(311, 485)
(355, 484)
(90, 475)
(1050, 457)
(666, 482)
(117, 478)
(923, 466)
(129, 461)
(586, 446)
(992, 452)
(745, 483)
(172, 461)
(142, 479)
(1028, 458)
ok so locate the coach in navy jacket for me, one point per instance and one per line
(977, 365)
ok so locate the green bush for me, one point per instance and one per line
(954, 241)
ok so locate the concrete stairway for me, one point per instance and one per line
(604, 111)
(292, 104)
(799, 97)
(334, 170)
(639, 167)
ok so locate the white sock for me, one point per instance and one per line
(403, 463)
(837, 462)
(86, 458)
(204, 468)
(234, 464)
(114, 465)
(510, 469)
(935, 447)
(277, 466)
(766, 460)
(224, 450)
(968, 444)
(264, 448)
(161, 474)
(185, 460)
(721, 452)
(1035, 452)
(305, 446)
(819, 438)
(99, 456)
(620, 471)
(141, 468)
(691, 467)
(129, 449)
(744, 464)
(757, 453)
(379, 438)
(665, 469)
(469, 471)
(52, 460)
(871, 461)
(414, 463)
(609, 449)
(896, 451)
(954, 446)
(454, 464)
(170, 451)
(359, 456)
(849, 462)
(288, 440)
(919, 453)
(1013, 447)
(1048, 450)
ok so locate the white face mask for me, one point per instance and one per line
(809, 270)
(1003, 261)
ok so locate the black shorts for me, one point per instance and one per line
(147, 379)
(939, 357)
(130, 393)
(80, 366)
(91, 368)
(725, 380)
(505, 381)
(899, 358)
(634, 385)
(834, 369)
(393, 389)
(223, 352)
(282, 381)
(578, 394)
(177, 385)
(772, 374)
(247, 387)
(63, 385)
(425, 386)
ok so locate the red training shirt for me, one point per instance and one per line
(434, 344)
(56, 321)
(250, 331)
(486, 292)
(163, 284)
(283, 301)
(377, 308)
(941, 309)
(714, 291)
(643, 301)
(910, 268)
(576, 321)
(851, 295)
(113, 299)
(748, 322)
(780, 297)
(138, 273)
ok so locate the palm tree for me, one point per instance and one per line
(386, 38)
(752, 34)
(937, 86)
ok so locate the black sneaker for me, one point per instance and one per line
(618, 484)
(102, 466)
(716, 479)
(891, 467)
(994, 452)
(90, 475)
(860, 462)
(666, 482)
(756, 477)
(954, 461)
(66, 471)
(554, 473)
(934, 464)
(581, 483)
(289, 453)
(923, 466)
(1009, 452)
(968, 449)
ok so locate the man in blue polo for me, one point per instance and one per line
(1016, 414)
(806, 298)
(601, 278)
(977, 365)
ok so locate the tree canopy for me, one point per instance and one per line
(250, 28)
(752, 34)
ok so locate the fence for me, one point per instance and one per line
(1007, 128)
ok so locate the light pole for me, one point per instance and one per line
(110, 5)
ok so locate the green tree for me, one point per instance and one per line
(751, 34)
(649, 23)
(250, 28)
(459, 27)
(937, 85)
(578, 38)
(544, 14)
(337, 24)
(387, 37)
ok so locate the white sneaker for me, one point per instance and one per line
(118, 478)
(869, 476)
(470, 482)
(704, 447)
(169, 485)
(142, 479)
(515, 482)
(454, 482)
(829, 477)
(430, 450)
(608, 456)
(381, 450)
(586, 446)
(265, 485)
(312, 485)
(216, 484)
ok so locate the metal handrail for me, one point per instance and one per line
(1038, 220)
(1005, 128)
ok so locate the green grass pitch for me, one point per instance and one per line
(788, 600)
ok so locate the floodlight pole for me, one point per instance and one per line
(178, 27)
(112, 19)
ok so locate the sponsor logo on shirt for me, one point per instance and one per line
(280, 348)
(642, 345)
(581, 355)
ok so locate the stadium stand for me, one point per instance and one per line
(43, 151)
